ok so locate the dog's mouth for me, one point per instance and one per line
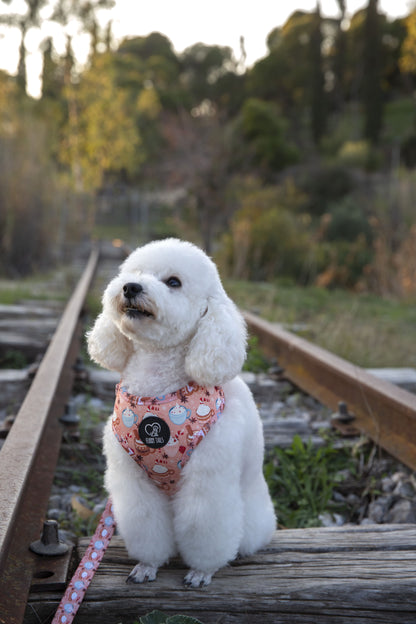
(138, 311)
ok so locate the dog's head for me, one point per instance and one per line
(168, 294)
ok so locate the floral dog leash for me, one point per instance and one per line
(84, 574)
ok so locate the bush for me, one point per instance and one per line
(267, 239)
(408, 151)
(347, 222)
(359, 154)
(325, 186)
(346, 263)
(301, 480)
(263, 129)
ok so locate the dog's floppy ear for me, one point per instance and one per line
(107, 345)
(218, 349)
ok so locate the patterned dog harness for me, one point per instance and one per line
(160, 433)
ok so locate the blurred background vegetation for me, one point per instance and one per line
(301, 168)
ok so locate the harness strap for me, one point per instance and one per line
(88, 566)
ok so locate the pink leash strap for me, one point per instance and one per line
(84, 574)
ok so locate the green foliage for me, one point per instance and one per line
(347, 222)
(264, 131)
(30, 197)
(344, 262)
(12, 358)
(106, 138)
(317, 80)
(408, 151)
(284, 75)
(372, 70)
(324, 186)
(399, 118)
(408, 59)
(358, 154)
(255, 362)
(203, 66)
(157, 617)
(267, 239)
(346, 323)
(302, 479)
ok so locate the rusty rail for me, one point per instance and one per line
(382, 411)
(29, 456)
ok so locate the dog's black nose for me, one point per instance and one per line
(132, 289)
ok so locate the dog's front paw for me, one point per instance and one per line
(194, 578)
(142, 573)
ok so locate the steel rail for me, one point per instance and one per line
(382, 411)
(29, 455)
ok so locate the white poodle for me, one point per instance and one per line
(178, 342)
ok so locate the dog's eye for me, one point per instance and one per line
(173, 282)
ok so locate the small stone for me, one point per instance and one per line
(99, 508)
(310, 402)
(387, 484)
(297, 424)
(329, 520)
(367, 521)
(66, 536)
(399, 476)
(403, 512)
(319, 425)
(248, 377)
(293, 400)
(405, 489)
(54, 514)
(378, 508)
(55, 501)
(353, 499)
(79, 399)
(338, 497)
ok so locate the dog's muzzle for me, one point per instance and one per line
(134, 307)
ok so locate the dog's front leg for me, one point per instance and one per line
(142, 512)
(208, 508)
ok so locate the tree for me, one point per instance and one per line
(263, 132)
(293, 73)
(339, 58)
(52, 73)
(149, 63)
(284, 75)
(85, 13)
(103, 125)
(372, 89)
(202, 68)
(24, 22)
(318, 97)
(408, 56)
(267, 238)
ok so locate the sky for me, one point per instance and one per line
(186, 22)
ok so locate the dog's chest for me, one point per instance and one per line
(160, 433)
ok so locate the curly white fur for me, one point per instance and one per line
(184, 329)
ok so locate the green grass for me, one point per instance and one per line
(302, 479)
(54, 285)
(399, 118)
(365, 329)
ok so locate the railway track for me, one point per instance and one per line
(29, 455)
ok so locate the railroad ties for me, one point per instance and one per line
(360, 574)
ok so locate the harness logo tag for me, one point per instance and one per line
(154, 432)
